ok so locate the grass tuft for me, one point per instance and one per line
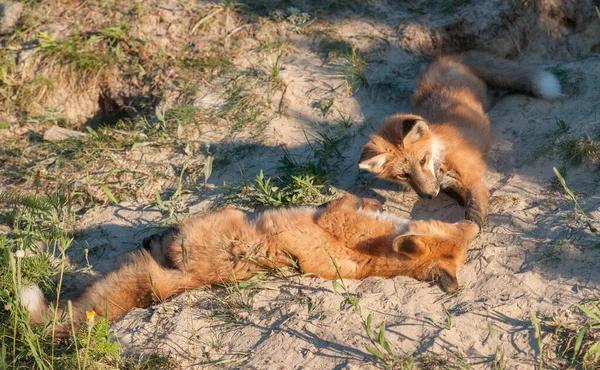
(350, 61)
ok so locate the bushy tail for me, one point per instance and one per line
(137, 283)
(507, 74)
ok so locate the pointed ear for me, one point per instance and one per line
(409, 245)
(448, 281)
(373, 159)
(413, 130)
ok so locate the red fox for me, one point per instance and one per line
(445, 142)
(229, 245)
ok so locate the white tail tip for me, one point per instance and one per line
(32, 298)
(547, 86)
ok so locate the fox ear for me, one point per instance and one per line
(409, 245)
(413, 130)
(372, 159)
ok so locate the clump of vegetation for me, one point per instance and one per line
(349, 59)
(34, 252)
(571, 195)
(577, 345)
(302, 182)
(572, 151)
(295, 190)
(580, 150)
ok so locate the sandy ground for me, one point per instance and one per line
(533, 254)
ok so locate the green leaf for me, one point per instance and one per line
(579, 340)
(159, 201)
(375, 352)
(109, 194)
(491, 330)
(337, 285)
(381, 334)
(207, 168)
(562, 181)
(179, 130)
(369, 321)
(160, 114)
(387, 348)
(593, 352)
(591, 314)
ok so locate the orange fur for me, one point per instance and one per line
(443, 145)
(228, 245)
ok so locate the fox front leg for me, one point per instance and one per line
(475, 199)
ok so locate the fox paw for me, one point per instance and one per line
(156, 244)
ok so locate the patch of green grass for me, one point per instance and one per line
(302, 181)
(349, 59)
(92, 52)
(18, 91)
(51, 115)
(591, 354)
(325, 155)
(34, 252)
(244, 108)
(275, 80)
(205, 64)
(499, 362)
(40, 228)
(103, 159)
(74, 51)
(174, 204)
(575, 344)
(538, 335)
(155, 361)
(573, 151)
(289, 191)
(580, 150)
(571, 195)
(177, 117)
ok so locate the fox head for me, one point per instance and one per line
(405, 150)
(437, 249)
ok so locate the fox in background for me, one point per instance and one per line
(445, 142)
(229, 245)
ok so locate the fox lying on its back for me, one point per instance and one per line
(444, 144)
(227, 245)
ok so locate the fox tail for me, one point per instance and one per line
(507, 74)
(139, 282)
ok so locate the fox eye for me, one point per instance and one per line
(423, 161)
(403, 176)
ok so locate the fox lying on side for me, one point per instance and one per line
(445, 142)
(229, 245)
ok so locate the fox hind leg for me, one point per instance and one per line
(158, 244)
